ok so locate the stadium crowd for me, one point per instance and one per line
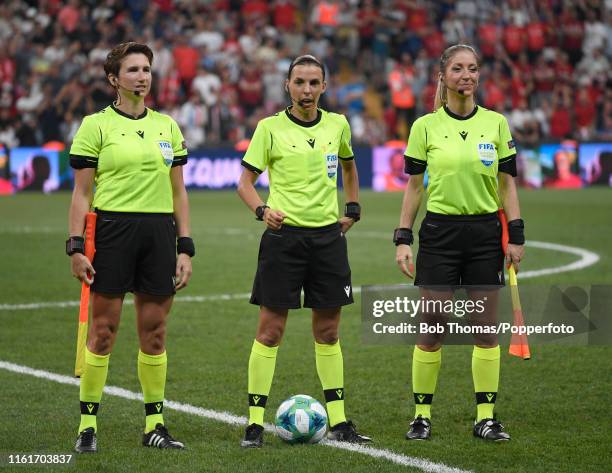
(219, 64)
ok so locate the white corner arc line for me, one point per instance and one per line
(587, 258)
(227, 418)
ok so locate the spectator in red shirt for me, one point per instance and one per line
(494, 94)
(7, 69)
(572, 32)
(433, 41)
(255, 12)
(536, 37)
(169, 90)
(585, 114)
(416, 16)
(520, 88)
(283, 14)
(489, 35)
(428, 94)
(69, 16)
(560, 118)
(563, 69)
(165, 6)
(524, 67)
(186, 60)
(250, 88)
(543, 78)
(367, 18)
(550, 23)
(514, 40)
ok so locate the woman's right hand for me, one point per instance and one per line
(82, 268)
(273, 218)
(403, 257)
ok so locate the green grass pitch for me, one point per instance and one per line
(556, 406)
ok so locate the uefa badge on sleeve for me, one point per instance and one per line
(167, 152)
(332, 165)
(486, 153)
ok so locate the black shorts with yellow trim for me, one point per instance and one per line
(135, 252)
(296, 258)
(460, 250)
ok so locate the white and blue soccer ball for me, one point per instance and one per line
(301, 419)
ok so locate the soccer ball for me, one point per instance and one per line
(301, 419)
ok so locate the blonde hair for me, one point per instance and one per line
(441, 94)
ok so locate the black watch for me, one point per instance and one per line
(403, 236)
(352, 210)
(259, 212)
(75, 244)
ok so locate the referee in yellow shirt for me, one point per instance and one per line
(470, 158)
(304, 245)
(134, 157)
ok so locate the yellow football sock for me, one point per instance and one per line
(425, 369)
(485, 372)
(261, 372)
(330, 367)
(152, 375)
(92, 384)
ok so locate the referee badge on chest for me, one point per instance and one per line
(487, 153)
(332, 165)
(167, 152)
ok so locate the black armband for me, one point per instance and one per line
(352, 210)
(414, 166)
(185, 245)
(508, 165)
(516, 232)
(75, 244)
(403, 236)
(82, 162)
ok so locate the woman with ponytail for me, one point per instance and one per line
(471, 162)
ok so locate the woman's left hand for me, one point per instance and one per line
(183, 271)
(346, 223)
(514, 255)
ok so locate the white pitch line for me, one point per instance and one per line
(228, 418)
(587, 258)
(64, 304)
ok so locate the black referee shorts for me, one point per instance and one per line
(135, 252)
(293, 258)
(460, 250)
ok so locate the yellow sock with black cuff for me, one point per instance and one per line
(152, 371)
(330, 368)
(262, 363)
(91, 386)
(485, 372)
(425, 369)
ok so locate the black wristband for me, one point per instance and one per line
(403, 236)
(185, 245)
(259, 212)
(352, 210)
(516, 232)
(75, 244)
